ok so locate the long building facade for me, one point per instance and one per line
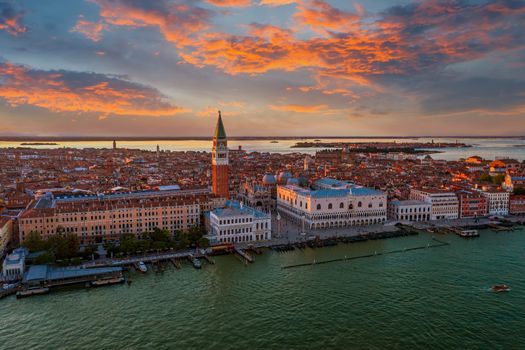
(103, 218)
(444, 204)
(333, 203)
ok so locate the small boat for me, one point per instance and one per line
(142, 267)
(498, 288)
(196, 263)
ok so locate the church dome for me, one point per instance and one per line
(292, 181)
(269, 179)
(283, 177)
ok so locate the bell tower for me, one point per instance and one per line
(219, 162)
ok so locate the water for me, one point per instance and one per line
(488, 148)
(434, 298)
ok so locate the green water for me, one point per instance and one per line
(434, 298)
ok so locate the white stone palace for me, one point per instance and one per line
(237, 223)
(332, 203)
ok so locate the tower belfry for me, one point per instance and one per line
(220, 164)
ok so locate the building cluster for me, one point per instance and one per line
(101, 194)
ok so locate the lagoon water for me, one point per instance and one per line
(488, 148)
(435, 298)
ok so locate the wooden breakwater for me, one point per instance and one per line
(345, 258)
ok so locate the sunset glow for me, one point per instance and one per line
(275, 67)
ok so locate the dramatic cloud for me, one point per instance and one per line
(300, 108)
(321, 17)
(404, 40)
(91, 30)
(277, 2)
(178, 21)
(312, 64)
(230, 3)
(65, 91)
(10, 19)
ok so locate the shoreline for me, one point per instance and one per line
(245, 138)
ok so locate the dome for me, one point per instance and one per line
(284, 176)
(292, 181)
(269, 179)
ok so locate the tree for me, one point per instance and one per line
(128, 243)
(519, 191)
(159, 235)
(45, 258)
(203, 242)
(34, 242)
(498, 179)
(485, 178)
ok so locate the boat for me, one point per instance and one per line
(105, 282)
(142, 267)
(31, 291)
(468, 233)
(498, 288)
(196, 263)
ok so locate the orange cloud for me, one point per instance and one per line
(10, 19)
(91, 30)
(320, 16)
(277, 2)
(404, 40)
(230, 3)
(62, 91)
(299, 108)
(178, 22)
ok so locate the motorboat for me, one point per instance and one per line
(498, 288)
(196, 263)
(142, 267)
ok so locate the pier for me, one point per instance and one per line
(144, 258)
(41, 278)
(244, 255)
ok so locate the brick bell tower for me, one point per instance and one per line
(219, 162)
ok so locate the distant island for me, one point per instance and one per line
(39, 144)
(383, 147)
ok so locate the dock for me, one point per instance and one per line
(244, 255)
(499, 228)
(136, 259)
(41, 278)
(176, 263)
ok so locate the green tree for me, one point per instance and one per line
(128, 243)
(58, 245)
(498, 179)
(34, 242)
(203, 242)
(45, 258)
(159, 235)
(519, 191)
(485, 178)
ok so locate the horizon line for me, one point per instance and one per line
(188, 138)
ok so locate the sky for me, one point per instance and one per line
(273, 67)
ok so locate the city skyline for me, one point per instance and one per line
(274, 67)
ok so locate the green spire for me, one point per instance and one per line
(219, 130)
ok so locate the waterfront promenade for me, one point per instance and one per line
(288, 232)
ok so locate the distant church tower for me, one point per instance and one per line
(219, 163)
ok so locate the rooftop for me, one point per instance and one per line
(234, 208)
(43, 272)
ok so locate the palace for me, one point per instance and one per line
(333, 204)
(237, 223)
(220, 165)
